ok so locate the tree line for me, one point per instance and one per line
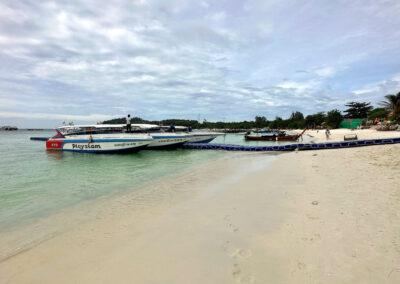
(390, 109)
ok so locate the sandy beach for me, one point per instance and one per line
(321, 216)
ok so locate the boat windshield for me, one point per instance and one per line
(177, 129)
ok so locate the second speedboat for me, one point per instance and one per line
(161, 138)
(199, 136)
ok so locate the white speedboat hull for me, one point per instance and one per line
(204, 137)
(99, 143)
(169, 140)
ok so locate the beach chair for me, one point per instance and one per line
(350, 137)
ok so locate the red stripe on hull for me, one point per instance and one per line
(54, 144)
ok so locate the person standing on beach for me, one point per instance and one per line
(327, 133)
(128, 123)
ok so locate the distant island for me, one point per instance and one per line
(8, 128)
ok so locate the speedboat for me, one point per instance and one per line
(97, 139)
(198, 136)
(163, 139)
(204, 137)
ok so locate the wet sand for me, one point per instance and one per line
(327, 216)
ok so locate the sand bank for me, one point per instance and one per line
(328, 216)
(338, 134)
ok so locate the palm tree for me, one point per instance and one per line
(392, 104)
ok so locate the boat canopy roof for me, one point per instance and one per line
(147, 126)
(105, 127)
(90, 128)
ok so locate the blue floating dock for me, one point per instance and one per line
(291, 147)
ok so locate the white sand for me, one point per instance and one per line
(237, 221)
(338, 134)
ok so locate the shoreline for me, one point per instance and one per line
(337, 135)
(311, 217)
(46, 227)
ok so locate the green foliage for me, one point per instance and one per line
(122, 120)
(392, 104)
(358, 110)
(391, 108)
(334, 118)
(314, 120)
(378, 113)
(296, 116)
(296, 120)
(261, 121)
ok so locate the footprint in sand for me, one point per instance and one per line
(301, 265)
(312, 217)
(236, 273)
(241, 253)
(227, 218)
(234, 228)
(236, 270)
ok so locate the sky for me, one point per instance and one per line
(87, 61)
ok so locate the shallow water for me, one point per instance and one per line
(35, 182)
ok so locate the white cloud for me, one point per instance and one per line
(143, 78)
(9, 102)
(326, 71)
(300, 86)
(142, 55)
(381, 88)
(219, 16)
(90, 117)
(204, 4)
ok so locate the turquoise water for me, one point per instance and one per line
(35, 182)
(238, 139)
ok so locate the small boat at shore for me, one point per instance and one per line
(97, 139)
(273, 136)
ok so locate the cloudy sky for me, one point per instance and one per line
(221, 60)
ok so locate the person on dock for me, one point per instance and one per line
(128, 123)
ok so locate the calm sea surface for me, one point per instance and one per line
(35, 182)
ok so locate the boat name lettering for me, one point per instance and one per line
(170, 140)
(125, 144)
(85, 146)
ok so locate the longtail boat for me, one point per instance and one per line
(273, 136)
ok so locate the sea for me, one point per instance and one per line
(35, 183)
